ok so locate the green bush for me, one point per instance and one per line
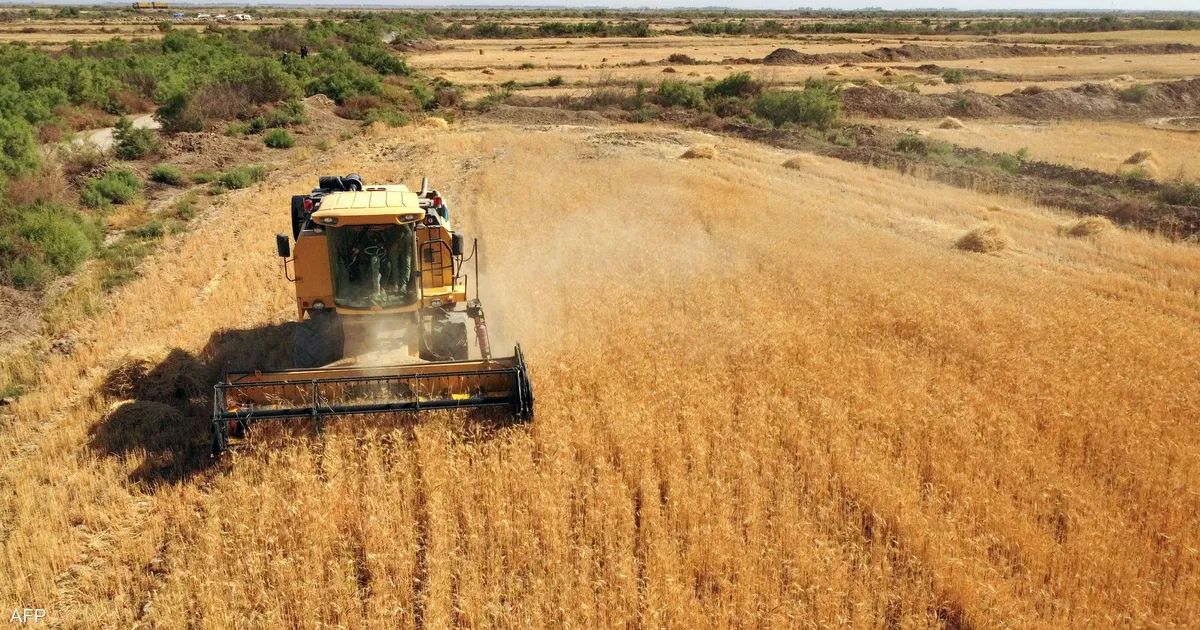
(288, 113)
(555, 80)
(1181, 193)
(176, 114)
(388, 116)
(18, 147)
(153, 229)
(815, 105)
(115, 186)
(167, 174)
(737, 85)
(65, 239)
(133, 143)
(29, 273)
(1008, 162)
(279, 138)
(242, 177)
(674, 93)
(912, 144)
(954, 75)
(184, 209)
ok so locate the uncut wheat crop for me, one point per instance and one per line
(766, 397)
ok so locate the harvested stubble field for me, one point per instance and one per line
(767, 396)
(1100, 145)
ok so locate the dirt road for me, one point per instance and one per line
(767, 396)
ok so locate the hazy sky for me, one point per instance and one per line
(1128, 5)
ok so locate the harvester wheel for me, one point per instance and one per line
(317, 341)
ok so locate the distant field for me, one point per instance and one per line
(1104, 146)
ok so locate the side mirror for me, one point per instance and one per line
(456, 244)
(283, 245)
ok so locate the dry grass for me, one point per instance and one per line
(700, 152)
(889, 434)
(985, 239)
(951, 122)
(1140, 157)
(798, 162)
(1087, 227)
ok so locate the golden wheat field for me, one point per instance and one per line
(768, 396)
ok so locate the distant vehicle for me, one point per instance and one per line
(222, 16)
(243, 17)
(203, 16)
(178, 16)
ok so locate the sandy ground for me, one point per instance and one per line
(766, 396)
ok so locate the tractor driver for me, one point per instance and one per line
(377, 265)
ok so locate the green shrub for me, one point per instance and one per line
(912, 144)
(386, 115)
(493, 98)
(555, 80)
(738, 84)
(115, 186)
(242, 177)
(1181, 193)
(279, 138)
(1008, 162)
(527, 66)
(184, 209)
(378, 58)
(176, 113)
(167, 174)
(815, 105)
(153, 229)
(288, 113)
(954, 75)
(133, 143)
(237, 128)
(29, 273)
(674, 93)
(18, 147)
(65, 239)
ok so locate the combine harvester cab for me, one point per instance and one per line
(381, 296)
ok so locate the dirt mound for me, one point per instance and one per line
(951, 122)
(700, 152)
(781, 56)
(1087, 226)
(207, 151)
(435, 122)
(921, 52)
(681, 59)
(984, 239)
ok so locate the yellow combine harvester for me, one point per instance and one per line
(381, 296)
